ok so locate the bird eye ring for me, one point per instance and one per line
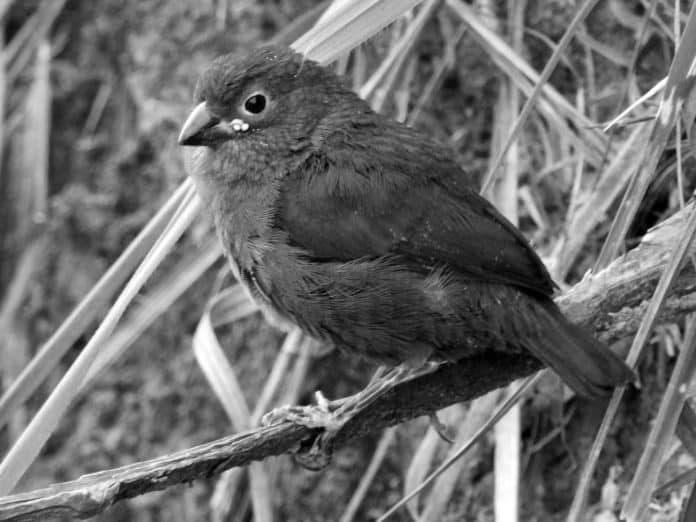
(255, 104)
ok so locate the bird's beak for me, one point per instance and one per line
(199, 120)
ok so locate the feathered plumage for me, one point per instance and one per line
(366, 233)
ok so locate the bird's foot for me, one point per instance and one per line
(322, 415)
(331, 416)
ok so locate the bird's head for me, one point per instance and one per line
(271, 95)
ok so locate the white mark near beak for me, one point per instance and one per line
(239, 125)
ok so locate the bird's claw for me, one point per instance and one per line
(325, 415)
(328, 416)
(441, 428)
(331, 416)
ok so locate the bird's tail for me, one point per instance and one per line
(584, 364)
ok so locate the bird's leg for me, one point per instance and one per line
(332, 415)
(383, 380)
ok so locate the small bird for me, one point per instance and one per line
(364, 232)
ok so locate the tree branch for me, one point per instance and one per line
(611, 303)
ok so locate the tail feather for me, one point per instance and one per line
(587, 366)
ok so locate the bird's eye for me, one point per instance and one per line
(255, 104)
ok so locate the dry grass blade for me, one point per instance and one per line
(366, 480)
(686, 429)
(4, 6)
(679, 253)
(587, 216)
(689, 512)
(74, 326)
(23, 453)
(678, 88)
(506, 465)
(507, 431)
(218, 371)
(495, 417)
(233, 303)
(154, 304)
(260, 491)
(22, 47)
(445, 64)
(397, 53)
(25, 202)
(441, 494)
(655, 89)
(645, 478)
(299, 25)
(427, 450)
(645, 24)
(295, 343)
(39, 125)
(3, 96)
(575, 24)
(349, 25)
(681, 480)
(554, 107)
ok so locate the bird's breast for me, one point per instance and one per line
(248, 260)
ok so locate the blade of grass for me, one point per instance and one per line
(21, 48)
(261, 492)
(686, 429)
(637, 49)
(3, 91)
(349, 25)
(689, 512)
(154, 304)
(23, 453)
(300, 25)
(550, 66)
(435, 80)
(398, 52)
(639, 341)
(295, 343)
(385, 441)
(74, 326)
(495, 417)
(676, 91)
(427, 451)
(507, 431)
(681, 480)
(26, 205)
(655, 89)
(645, 478)
(219, 373)
(588, 215)
(552, 104)
(233, 303)
(223, 379)
(441, 493)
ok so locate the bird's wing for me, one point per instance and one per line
(340, 206)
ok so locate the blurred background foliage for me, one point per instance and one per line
(119, 85)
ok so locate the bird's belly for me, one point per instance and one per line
(384, 312)
(370, 308)
(258, 296)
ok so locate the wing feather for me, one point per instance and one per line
(340, 206)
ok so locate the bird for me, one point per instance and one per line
(366, 233)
